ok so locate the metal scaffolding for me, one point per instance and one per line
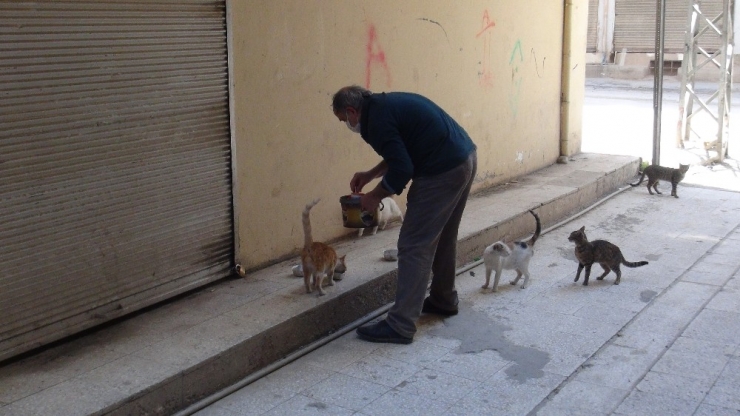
(713, 128)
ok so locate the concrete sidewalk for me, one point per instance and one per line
(666, 341)
(166, 358)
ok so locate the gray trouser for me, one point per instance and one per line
(427, 244)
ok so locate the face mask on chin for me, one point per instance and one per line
(355, 128)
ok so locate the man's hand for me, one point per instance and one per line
(359, 180)
(370, 201)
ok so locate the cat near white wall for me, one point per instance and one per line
(389, 212)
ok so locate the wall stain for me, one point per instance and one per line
(478, 332)
(484, 176)
(436, 23)
(536, 68)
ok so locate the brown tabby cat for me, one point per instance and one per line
(608, 255)
(318, 259)
(656, 173)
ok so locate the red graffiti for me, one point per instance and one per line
(375, 55)
(487, 24)
(486, 74)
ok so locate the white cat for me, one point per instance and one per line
(388, 213)
(510, 256)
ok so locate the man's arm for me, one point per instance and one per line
(380, 169)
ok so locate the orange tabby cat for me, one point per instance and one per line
(318, 259)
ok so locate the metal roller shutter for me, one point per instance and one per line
(592, 40)
(115, 173)
(634, 25)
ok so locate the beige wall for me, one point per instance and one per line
(494, 66)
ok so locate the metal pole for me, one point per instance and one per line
(725, 81)
(658, 81)
(686, 99)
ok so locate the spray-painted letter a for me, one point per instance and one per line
(375, 54)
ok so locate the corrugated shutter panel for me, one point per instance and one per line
(115, 177)
(634, 25)
(593, 25)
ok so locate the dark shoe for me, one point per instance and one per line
(382, 332)
(429, 307)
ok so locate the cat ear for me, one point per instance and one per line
(582, 229)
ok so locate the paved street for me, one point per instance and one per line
(664, 341)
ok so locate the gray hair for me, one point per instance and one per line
(351, 96)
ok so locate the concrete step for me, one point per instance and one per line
(171, 356)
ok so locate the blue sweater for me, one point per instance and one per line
(413, 135)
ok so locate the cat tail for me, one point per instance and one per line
(642, 177)
(307, 237)
(536, 230)
(633, 263)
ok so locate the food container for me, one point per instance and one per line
(391, 254)
(352, 214)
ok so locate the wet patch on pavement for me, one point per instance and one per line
(478, 332)
(647, 295)
(620, 222)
